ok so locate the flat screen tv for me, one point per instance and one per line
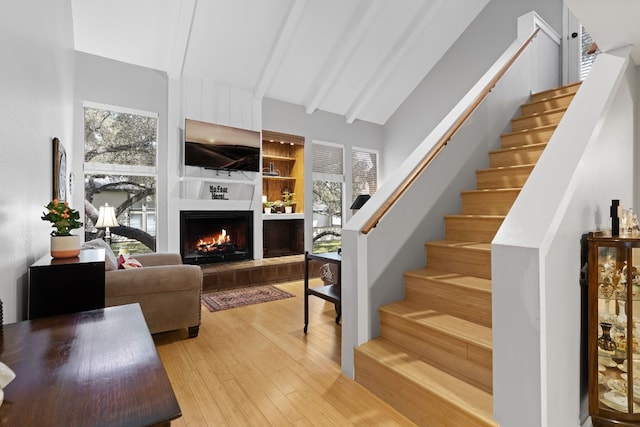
(219, 147)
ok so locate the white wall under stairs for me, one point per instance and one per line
(536, 253)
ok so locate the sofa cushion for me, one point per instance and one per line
(129, 263)
(110, 260)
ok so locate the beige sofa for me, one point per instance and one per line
(168, 291)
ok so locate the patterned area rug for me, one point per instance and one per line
(224, 300)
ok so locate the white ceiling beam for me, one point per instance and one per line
(280, 47)
(422, 18)
(181, 40)
(334, 64)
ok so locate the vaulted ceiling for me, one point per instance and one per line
(356, 58)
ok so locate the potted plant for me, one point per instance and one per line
(289, 201)
(267, 207)
(278, 206)
(63, 219)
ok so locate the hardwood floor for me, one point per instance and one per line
(253, 366)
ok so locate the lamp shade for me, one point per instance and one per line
(107, 217)
(360, 201)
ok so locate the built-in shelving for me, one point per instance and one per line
(283, 167)
(279, 158)
(283, 171)
(279, 178)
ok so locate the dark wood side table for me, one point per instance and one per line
(66, 285)
(93, 368)
(330, 292)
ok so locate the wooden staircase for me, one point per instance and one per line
(433, 359)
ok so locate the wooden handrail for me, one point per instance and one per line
(415, 173)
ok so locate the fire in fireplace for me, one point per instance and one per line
(216, 236)
(221, 243)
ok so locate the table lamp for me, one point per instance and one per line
(106, 219)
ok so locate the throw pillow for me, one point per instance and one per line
(131, 263)
(110, 261)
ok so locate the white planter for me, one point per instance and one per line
(65, 246)
(267, 210)
(288, 209)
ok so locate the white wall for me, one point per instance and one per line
(36, 104)
(536, 253)
(458, 70)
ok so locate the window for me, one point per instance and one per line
(120, 169)
(586, 59)
(328, 182)
(364, 172)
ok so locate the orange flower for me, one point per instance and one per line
(63, 218)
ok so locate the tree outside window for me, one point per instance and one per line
(120, 169)
(364, 172)
(328, 183)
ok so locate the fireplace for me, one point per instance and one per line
(216, 236)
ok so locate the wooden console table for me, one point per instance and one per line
(66, 285)
(93, 368)
(329, 292)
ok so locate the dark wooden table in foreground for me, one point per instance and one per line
(93, 368)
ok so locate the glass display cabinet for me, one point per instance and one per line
(613, 328)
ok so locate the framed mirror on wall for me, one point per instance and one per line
(59, 171)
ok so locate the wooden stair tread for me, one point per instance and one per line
(475, 216)
(476, 246)
(551, 97)
(528, 130)
(460, 280)
(478, 227)
(519, 148)
(492, 190)
(465, 397)
(561, 100)
(539, 114)
(508, 168)
(463, 330)
(544, 94)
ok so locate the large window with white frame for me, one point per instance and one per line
(364, 172)
(120, 169)
(328, 184)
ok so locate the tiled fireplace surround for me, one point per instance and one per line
(222, 274)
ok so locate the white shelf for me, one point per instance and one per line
(281, 216)
(216, 179)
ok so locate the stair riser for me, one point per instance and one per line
(488, 203)
(554, 92)
(458, 358)
(518, 139)
(502, 178)
(463, 302)
(548, 104)
(530, 122)
(463, 261)
(420, 405)
(516, 157)
(475, 229)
